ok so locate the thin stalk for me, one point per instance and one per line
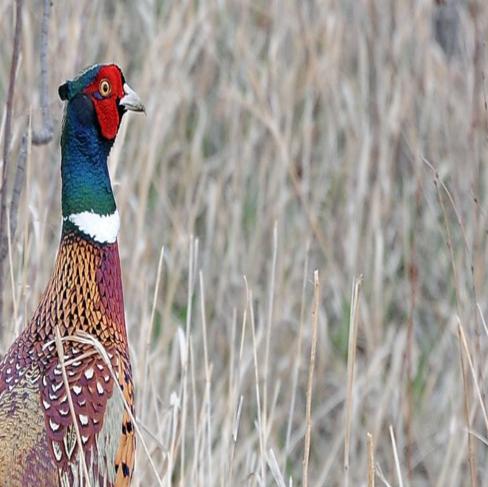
(313, 351)
(351, 361)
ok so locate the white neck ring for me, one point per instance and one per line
(101, 228)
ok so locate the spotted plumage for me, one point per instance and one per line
(51, 406)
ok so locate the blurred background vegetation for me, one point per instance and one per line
(282, 136)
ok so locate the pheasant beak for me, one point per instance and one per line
(131, 100)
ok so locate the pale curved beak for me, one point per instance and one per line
(131, 100)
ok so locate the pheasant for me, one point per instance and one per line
(50, 434)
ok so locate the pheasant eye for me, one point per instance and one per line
(105, 87)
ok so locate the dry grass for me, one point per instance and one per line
(345, 126)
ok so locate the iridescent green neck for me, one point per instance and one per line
(86, 188)
(86, 183)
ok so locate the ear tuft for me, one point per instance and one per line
(63, 91)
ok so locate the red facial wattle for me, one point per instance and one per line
(106, 103)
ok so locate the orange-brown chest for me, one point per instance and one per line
(83, 295)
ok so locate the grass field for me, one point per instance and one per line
(347, 137)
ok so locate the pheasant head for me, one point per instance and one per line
(102, 89)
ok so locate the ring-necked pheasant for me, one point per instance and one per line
(39, 441)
